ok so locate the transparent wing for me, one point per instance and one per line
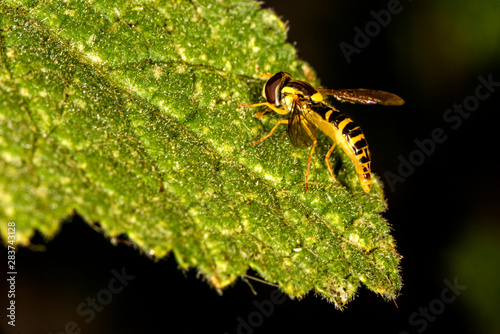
(364, 96)
(301, 128)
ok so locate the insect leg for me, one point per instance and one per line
(267, 104)
(309, 164)
(327, 159)
(261, 113)
(283, 121)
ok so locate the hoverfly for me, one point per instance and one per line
(308, 111)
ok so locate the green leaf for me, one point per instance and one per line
(128, 113)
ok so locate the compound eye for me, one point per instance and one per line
(272, 89)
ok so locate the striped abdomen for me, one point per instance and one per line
(350, 137)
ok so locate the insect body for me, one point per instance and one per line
(348, 135)
(308, 111)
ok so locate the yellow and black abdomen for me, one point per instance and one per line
(349, 136)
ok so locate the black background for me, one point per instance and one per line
(445, 214)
